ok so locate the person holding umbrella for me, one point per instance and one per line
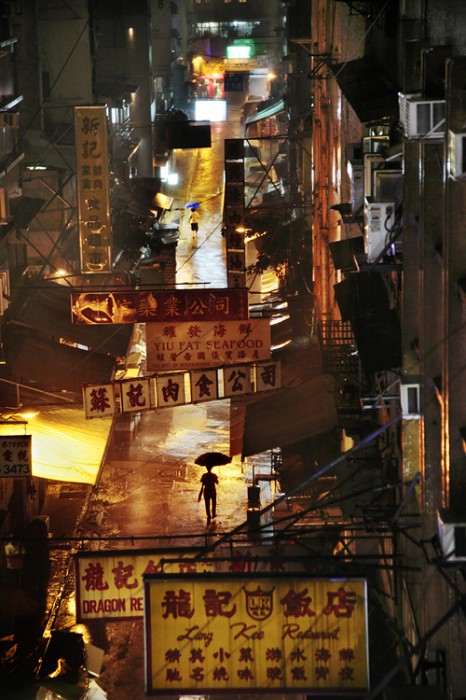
(194, 221)
(209, 480)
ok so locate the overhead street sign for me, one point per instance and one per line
(151, 306)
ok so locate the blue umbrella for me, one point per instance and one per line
(192, 205)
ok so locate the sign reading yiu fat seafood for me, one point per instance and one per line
(172, 346)
(211, 634)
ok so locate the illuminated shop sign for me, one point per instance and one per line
(179, 388)
(92, 177)
(110, 585)
(202, 344)
(210, 634)
(238, 51)
(137, 306)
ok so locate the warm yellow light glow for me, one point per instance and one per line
(131, 32)
(198, 62)
(271, 76)
(61, 272)
(65, 446)
(27, 413)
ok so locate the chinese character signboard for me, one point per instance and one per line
(211, 634)
(268, 376)
(233, 213)
(92, 176)
(202, 344)
(134, 306)
(135, 394)
(178, 388)
(99, 400)
(15, 457)
(204, 385)
(109, 585)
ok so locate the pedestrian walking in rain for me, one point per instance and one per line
(209, 482)
(194, 221)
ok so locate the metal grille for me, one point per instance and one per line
(339, 351)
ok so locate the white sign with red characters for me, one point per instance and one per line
(255, 634)
(173, 346)
(15, 457)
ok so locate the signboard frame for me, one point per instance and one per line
(244, 634)
(16, 455)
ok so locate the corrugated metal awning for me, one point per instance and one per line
(268, 112)
(53, 366)
(372, 96)
(290, 415)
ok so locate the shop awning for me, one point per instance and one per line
(51, 365)
(372, 96)
(267, 112)
(290, 415)
(65, 446)
(47, 308)
(142, 197)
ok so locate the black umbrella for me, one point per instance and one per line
(212, 459)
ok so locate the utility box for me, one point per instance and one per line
(254, 497)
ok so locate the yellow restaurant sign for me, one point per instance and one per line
(110, 585)
(92, 177)
(211, 634)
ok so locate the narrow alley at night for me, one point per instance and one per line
(232, 288)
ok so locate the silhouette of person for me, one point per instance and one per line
(209, 489)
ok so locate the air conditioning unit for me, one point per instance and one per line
(388, 185)
(456, 155)
(410, 397)
(422, 118)
(4, 207)
(9, 120)
(379, 219)
(452, 536)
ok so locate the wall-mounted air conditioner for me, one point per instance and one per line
(379, 219)
(410, 397)
(452, 536)
(388, 185)
(421, 118)
(9, 120)
(456, 155)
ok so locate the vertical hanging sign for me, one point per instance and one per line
(92, 170)
(233, 213)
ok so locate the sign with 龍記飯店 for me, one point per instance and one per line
(172, 346)
(250, 633)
